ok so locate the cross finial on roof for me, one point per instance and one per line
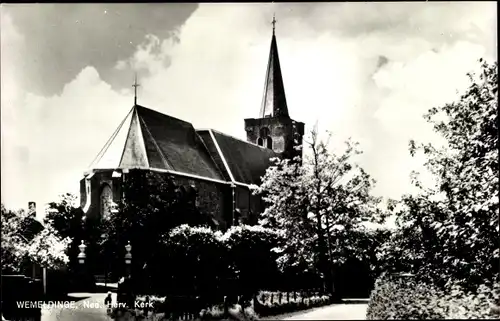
(135, 85)
(274, 22)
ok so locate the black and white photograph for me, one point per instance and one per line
(249, 161)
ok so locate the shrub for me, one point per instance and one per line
(251, 251)
(192, 261)
(215, 312)
(266, 307)
(397, 297)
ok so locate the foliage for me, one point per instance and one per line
(317, 206)
(402, 298)
(273, 303)
(65, 216)
(46, 248)
(152, 205)
(212, 264)
(450, 231)
(67, 220)
(184, 311)
(356, 275)
(263, 305)
(12, 241)
(197, 263)
(250, 249)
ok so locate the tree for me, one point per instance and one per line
(250, 250)
(45, 247)
(192, 260)
(317, 206)
(67, 220)
(65, 216)
(152, 205)
(450, 231)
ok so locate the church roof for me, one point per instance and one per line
(154, 140)
(149, 139)
(274, 99)
(242, 161)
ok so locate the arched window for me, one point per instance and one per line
(106, 201)
(264, 139)
(269, 142)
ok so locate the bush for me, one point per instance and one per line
(398, 297)
(216, 312)
(251, 251)
(268, 303)
(192, 261)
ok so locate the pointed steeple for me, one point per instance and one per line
(274, 99)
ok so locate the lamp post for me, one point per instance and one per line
(81, 268)
(128, 258)
(128, 286)
(82, 256)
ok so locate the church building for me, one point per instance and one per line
(219, 168)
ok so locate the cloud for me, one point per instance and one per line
(360, 69)
(62, 39)
(47, 141)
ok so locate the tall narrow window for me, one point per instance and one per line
(106, 201)
(264, 139)
(269, 142)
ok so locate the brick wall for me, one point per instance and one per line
(97, 183)
(284, 129)
(213, 198)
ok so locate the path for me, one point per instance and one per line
(87, 306)
(350, 310)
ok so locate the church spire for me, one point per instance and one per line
(274, 100)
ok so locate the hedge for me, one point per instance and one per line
(202, 262)
(396, 297)
(268, 303)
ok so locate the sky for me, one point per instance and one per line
(363, 70)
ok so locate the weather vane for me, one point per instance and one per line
(135, 85)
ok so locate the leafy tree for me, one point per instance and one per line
(65, 216)
(191, 260)
(250, 249)
(450, 231)
(152, 205)
(67, 219)
(48, 249)
(12, 241)
(45, 247)
(317, 206)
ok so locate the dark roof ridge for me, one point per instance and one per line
(208, 152)
(166, 115)
(241, 140)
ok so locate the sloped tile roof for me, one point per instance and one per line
(247, 162)
(212, 148)
(157, 141)
(174, 144)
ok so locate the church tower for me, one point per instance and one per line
(274, 129)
